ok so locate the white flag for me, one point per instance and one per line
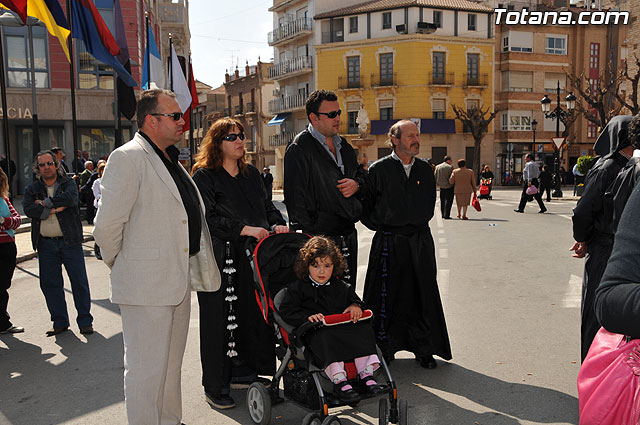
(180, 86)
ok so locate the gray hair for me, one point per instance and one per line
(148, 103)
(87, 163)
(36, 169)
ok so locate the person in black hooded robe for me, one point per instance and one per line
(401, 289)
(593, 223)
(322, 178)
(235, 341)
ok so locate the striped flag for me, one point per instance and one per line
(18, 6)
(51, 14)
(155, 63)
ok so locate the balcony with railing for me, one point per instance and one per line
(441, 78)
(249, 108)
(384, 80)
(291, 68)
(345, 82)
(287, 103)
(480, 80)
(238, 110)
(290, 30)
(227, 112)
(281, 139)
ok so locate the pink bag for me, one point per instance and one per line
(609, 381)
(532, 190)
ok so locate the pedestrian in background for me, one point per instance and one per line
(9, 222)
(56, 233)
(593, 228)
(267, 179)
(401, 286)
(153, 236)
(78, 163)
(443, 174)
(59, 153)
(546, 182)
(97, 193)
(530, 176)
(238, 210)
(464, 184)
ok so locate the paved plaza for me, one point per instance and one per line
(511, 295)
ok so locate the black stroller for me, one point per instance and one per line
(272, 261)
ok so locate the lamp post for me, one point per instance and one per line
(558, 114)
(534, 125)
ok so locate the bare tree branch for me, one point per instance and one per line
(477, 120)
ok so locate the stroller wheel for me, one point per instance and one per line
(312, 419)
(259, 403)
(331, 420)
(383, 413)
(403, 412)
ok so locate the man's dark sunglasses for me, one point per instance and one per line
(175, 115)
(42, 164)
(231, 137)
(330, 115)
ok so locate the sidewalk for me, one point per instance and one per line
(23, 235)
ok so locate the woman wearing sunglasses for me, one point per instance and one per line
(235, 342)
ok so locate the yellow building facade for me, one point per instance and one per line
(409, 76)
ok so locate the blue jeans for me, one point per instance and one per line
(52, 254)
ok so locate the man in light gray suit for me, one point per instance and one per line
(153, 235)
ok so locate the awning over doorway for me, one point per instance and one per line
(278, 119)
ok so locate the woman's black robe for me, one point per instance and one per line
(232, 203)
(401, 287)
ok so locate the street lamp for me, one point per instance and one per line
(534, 125)
(558, 114)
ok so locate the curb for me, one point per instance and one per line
(32, 254)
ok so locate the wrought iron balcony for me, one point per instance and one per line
(287, 103)
(237, 110)
(441, 78)
(480, 80)
(350, 82)
(290, 30)
(290, 67)
(227, 112)
(281, 139)
(249, 108)
(383, 80)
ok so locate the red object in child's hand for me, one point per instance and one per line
(339, 319)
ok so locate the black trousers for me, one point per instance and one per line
(547, 189)
(8, 254)
(446, 202)
(524, 196)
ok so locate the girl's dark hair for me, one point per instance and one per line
(319, 247)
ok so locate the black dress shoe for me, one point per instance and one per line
(12, 330)
(86, 330)
(542, 211)
(518, 211)
(224, 401)
(428, 362)
(345, 395)
(56, 331)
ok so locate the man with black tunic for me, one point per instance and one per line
(321, 177)
(401, 288)
(592, 222)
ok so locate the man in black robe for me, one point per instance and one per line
(401, 288)
(593, 221)
(321, 177)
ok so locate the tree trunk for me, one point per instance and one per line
(476, 157)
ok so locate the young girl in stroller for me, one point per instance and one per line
(318, 292)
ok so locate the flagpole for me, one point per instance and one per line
(146, 18)
(170, 60)
(74, 122)
(34, 102)
(5, 117)
(192, 147)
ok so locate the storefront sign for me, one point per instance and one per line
(17, 113)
